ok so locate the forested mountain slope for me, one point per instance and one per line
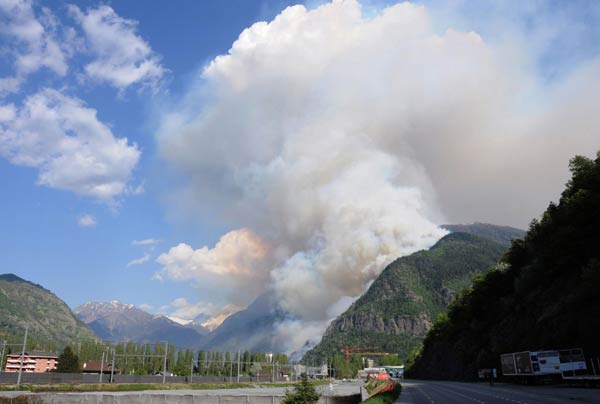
(51, 323)
(544, 295)
(400, 306)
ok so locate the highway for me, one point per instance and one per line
(429, 392)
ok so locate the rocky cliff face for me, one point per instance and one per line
(397, 325)
(400, 306)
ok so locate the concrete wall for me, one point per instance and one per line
(138, 398)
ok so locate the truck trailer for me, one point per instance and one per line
(532, 367)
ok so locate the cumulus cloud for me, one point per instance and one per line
(9, 85)
(122, 57)
(72, 149)
(340, 140)
(87, 220)
(35, 42)
(139, 261)
(240, 259)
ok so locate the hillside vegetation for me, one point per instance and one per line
(401, 305)
(544, 295)
(51, 322)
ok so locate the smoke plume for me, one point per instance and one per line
(333, 143)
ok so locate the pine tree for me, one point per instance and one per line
(68, 362)
(304, 393)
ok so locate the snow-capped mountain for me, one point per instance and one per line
(118, 321)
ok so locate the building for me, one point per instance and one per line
(33, 362)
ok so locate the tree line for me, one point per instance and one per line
(544, 294)
(147, 359)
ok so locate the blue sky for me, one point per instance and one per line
(42, 240)
(71, 225)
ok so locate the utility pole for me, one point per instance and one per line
(2, 357)
(192, 369)
(101, 367)
(165, 363)
(22, 356)
(112, 367)
(238, 372)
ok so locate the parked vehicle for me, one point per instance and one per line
(534, 367)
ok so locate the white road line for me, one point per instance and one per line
(487, 394)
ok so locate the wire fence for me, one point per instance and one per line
(116, 362)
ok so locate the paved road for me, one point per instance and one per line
(426, 392)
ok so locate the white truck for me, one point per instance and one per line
(531, 367)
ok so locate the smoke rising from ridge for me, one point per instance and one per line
(333, 143)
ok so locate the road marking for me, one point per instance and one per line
(425, 394)
(484, 394)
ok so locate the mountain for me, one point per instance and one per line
(249, 329)
(213, 322)
(501, 234)
(545, 294)
(402, 303)
(116, 321)
(50, 321)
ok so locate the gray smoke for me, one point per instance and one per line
(333, 143)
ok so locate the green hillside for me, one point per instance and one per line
(544, 295)
(400, 306)
(51, 322)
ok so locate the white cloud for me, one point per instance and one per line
(7, 113)
(72, 149)
(146, 306)
(239, 258)
(139, 261)
(340, 140)
(122, 57)
(87, 220)
(145, 242)
(9, 85)
(37, 42)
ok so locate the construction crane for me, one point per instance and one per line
(347, 351)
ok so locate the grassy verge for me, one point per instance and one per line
(140, 386)
(385, 398)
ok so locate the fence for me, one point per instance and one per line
(80, 378)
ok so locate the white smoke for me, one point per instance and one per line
(326, 135)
